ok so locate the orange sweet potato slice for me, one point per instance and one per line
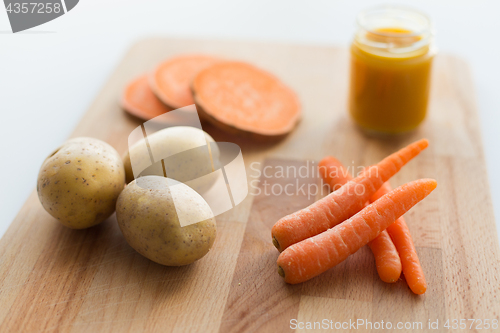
(139, 100)
(246, 100)
(171, 80)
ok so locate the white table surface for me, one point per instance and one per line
(41, 103)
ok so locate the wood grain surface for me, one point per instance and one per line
(55, 279)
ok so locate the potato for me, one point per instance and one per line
(80, 182)
(192, 161)
(151, 223)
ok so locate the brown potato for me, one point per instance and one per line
(80, 182)
(151, 223)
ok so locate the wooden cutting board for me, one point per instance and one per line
(56, 279)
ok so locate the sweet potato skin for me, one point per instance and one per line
(253, 136)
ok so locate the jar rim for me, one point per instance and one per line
(362, 18)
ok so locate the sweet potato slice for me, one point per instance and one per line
(171, 80)
(246, 100)
(139, 100)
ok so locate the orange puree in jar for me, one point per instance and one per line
(390, 71)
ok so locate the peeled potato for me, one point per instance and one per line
(191, 153)
(165, 221)
(80, 182)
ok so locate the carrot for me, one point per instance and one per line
(171, 80)
(139, 100)
(343, 203)
(333, 172)
(400, 235)
(245, 100)
(386, 256)
(313, 256)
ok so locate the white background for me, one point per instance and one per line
(50, 74)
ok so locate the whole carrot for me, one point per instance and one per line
(334, 173)
(343, 203)
(313, 256)
(400, 235)
(386, 256)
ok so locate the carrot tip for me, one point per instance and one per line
(281, 272)
(424, 142)
(276, 243)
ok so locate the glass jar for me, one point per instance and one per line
(391, 60)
